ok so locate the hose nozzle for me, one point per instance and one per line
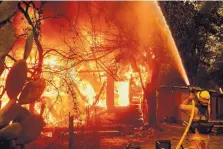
(192, 89)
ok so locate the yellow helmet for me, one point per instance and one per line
(203, 97)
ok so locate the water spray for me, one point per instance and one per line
(175, 53)
(173, 48)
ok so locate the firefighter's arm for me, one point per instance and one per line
(185, 104)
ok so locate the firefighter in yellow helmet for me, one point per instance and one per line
(200, 129)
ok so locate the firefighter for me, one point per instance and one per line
(200, 129)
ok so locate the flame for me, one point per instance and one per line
(129, 73)
(122, 93)
(88, 91)
(59, 117)
(4, 101)
(51, 62)
(62, 106)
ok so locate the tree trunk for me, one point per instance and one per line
(71, 132)
(152, 109)
(150, 94)
(110, 92)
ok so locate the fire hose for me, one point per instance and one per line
(188, 126)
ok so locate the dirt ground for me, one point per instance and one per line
(144, 139)
(147, 139)
(149, 143)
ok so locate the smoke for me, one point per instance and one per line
(142, 21)
(146, 24)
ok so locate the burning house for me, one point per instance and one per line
(94, 72)
(82, 65)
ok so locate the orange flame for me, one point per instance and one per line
(122, 93)
(64, 105)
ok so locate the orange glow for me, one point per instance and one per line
(144, 73)
(121, 93)
(4, 100)
(51, 62)
(63, 105)
(129, 73)
(58, 105)
(88, 91)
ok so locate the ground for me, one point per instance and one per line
(145, 139)
(149, 143)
